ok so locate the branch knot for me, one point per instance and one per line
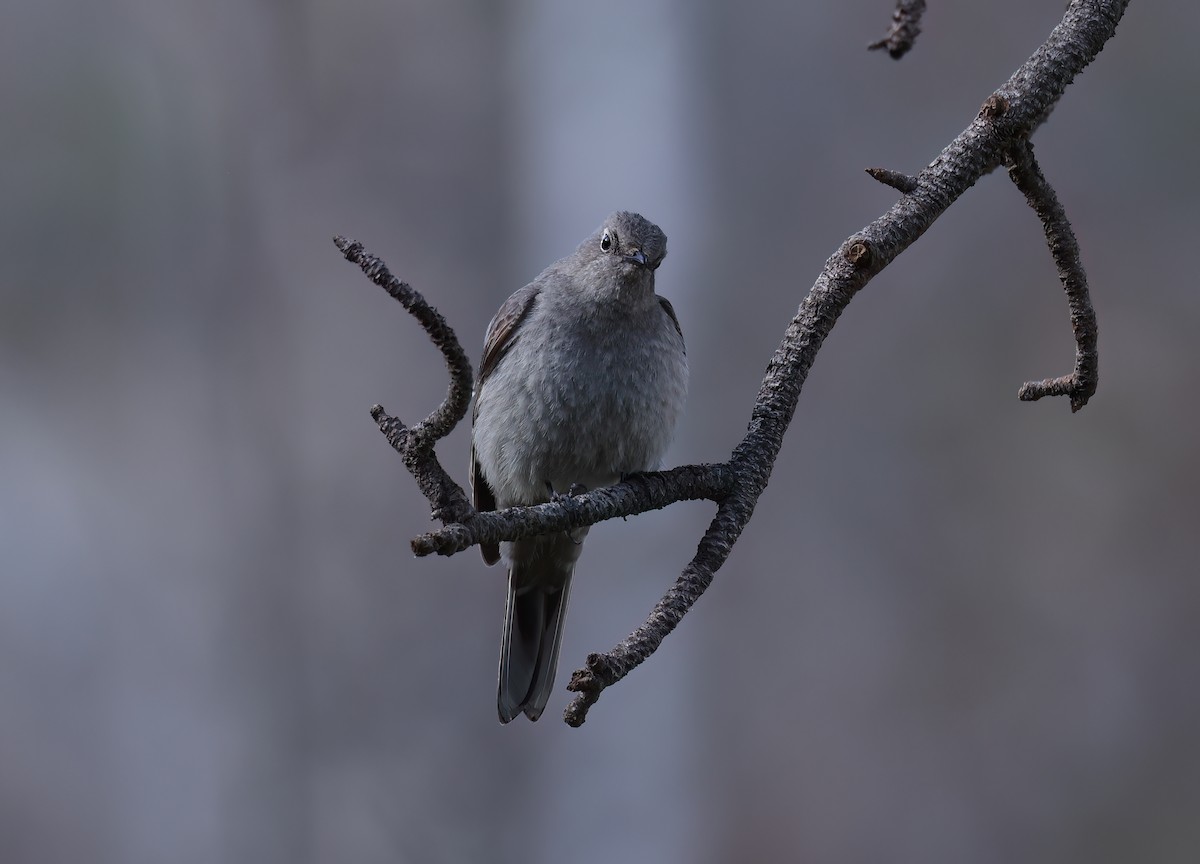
(858, 252)
(994, 108)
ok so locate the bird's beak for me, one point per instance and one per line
(636, 257)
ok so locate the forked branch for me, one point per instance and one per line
(998, 135)
(415, 444)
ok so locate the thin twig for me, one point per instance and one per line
(415, 444)
(1081, 384)
(906, 24)
(604, 670)
(458, 396)
(446, 498)
(902, 182)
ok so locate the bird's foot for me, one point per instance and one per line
(573, 490)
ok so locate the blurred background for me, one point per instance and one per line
(959, 627)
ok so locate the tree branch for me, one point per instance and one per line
(1080, 385)
(415, 445)
(900, 182)
(638, 493)
(999, 134)
(906, 24)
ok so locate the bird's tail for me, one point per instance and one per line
(539, 585)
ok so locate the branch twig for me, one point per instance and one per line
(1080, 385)
(415, 445)
(998, 134)
(900, 182)
(906, 24)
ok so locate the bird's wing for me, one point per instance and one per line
(502, 332)
(501, 335)
(670, 310)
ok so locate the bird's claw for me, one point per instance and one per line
(573, 490)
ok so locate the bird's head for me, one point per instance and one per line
(629, 245)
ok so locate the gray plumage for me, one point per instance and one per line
(582, 381)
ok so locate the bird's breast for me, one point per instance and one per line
(587, 401)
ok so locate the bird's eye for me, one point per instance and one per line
(608, 241)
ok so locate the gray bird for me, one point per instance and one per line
(583, 378)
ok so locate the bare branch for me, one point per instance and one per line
(906, 24)
(604, 670)
(638, 493)
(458, 396)
(1000, 132)
(448, 500)
(415, 445)
(1080, 385)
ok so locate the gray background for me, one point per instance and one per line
(959, 627)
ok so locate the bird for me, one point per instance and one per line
(582, 382)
